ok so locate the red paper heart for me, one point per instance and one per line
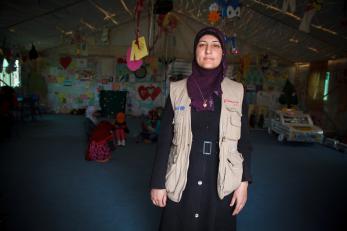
(148, 92)
(65, 61)
(156, 91)
(143, 92)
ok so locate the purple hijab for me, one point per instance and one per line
(209, 81)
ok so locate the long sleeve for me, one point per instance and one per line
(163, 147)
(244, 145)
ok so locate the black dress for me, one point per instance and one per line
(200, 208)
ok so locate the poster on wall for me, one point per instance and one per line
(81, 63)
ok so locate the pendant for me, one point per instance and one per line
(204, 104)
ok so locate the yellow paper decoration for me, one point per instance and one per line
(138, 52)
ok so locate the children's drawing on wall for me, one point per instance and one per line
(71, 84)
(85, 75)
(122, 72)
(148, 92)
(153, 65)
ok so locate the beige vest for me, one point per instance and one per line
(230, 160)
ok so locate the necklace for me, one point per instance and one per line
(202, 96)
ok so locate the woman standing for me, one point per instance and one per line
(202, 167)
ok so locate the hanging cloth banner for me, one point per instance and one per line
(291, 4)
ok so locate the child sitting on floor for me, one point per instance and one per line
(99, 137)
(150, 127)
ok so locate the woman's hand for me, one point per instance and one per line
(158, 197)
(240, 197)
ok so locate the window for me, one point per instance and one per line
(326, 86)
(12, 79)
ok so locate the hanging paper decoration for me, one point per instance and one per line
(138, 49)
(105, 35)
(233, 9)
(65, 61)
(289, 4)
(33, 53)
(213, 16)
(132, 65)
(312, 7)
(162, 6)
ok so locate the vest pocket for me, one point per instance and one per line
(171, 173)
(235, 128)
(233, 172)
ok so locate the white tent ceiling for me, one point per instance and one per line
(262, 27)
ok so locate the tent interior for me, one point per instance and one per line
(61, 57)
(80, 48)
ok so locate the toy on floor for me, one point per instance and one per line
(121, 128)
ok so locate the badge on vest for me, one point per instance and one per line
(180, 108)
